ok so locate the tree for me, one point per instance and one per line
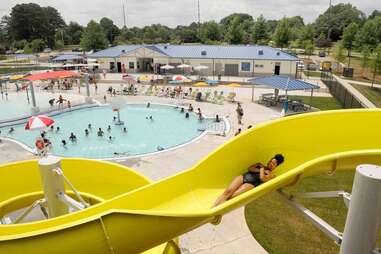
(367, 35)
(74, 31)
(111, 30)
(338, 52)
(309, 48)
(282, 34)
(235, 32)
(349, 37)
(307, 33)
(210, 31)
(93, 37)
(227, 21)
(323, 42)
(37, 45)
(59, 45)
(376, 62)
(375, 13)
(337, 18)
(365, 52)
(30, 21)
(260, 31)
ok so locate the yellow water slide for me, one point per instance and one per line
(128, 220)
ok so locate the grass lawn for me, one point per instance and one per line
(373, 94)
(7, 70)
(322, 103)
(282, 230)
(312, 73)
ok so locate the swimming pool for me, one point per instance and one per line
(17, 106)
(169, 128)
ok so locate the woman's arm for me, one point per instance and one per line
(265, 177)
(255, 168)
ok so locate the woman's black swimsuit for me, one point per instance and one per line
(252, 178)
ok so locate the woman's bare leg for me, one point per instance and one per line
(243, 188)
(233, 187)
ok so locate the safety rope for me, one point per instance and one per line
(107, 237)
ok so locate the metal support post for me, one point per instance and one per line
(35, 109)
(52, 183)
(364, 215)
(88, 98)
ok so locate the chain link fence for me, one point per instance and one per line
(338, 91)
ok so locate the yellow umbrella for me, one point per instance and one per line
(145, 78)
(199, 84)
(16, 77)
(233, 85)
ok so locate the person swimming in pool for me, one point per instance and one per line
(86, 132)
(73, 138)
(125, 130)
(100, 132)
(255, 176)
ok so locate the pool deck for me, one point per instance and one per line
(232, 235)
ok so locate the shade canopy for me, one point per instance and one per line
(233, 85)
(201, 67)
(183, 66)
(52, 75)
(200, 84)
(167, 67)
(283, 83)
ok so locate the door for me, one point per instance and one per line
(231, 69)
(119, 66)
(277, 70)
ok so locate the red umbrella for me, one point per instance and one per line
(38, 122)
(52, 75)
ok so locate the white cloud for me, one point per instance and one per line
(180, 12)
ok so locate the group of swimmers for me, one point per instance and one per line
(73, 138)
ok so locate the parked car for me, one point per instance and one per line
(322, 54)
(47, 50)
(312, 67)
(300, 65)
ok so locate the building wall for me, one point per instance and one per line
(261, 67)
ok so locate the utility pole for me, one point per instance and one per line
(124, 14)
(329, 20)
(199, 18)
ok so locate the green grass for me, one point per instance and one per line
(280, 229)
(20, 69)
(373, 94)
(322, 103)
(312, 73)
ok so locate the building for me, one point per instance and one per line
(226, 60)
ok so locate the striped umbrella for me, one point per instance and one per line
(38, 122)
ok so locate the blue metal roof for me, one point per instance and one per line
(203, 51)
(68, 57)
(283, 83)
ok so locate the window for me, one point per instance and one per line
(259, 66)
(131, 65)
(245, 66)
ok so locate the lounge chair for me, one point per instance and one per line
(231, 97)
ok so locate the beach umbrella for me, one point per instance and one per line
(145, 78)
(233, 85)
(201, 67)
(129, 79)
(38, 122)
(183, 66)
(16, 77)
(179, 78)
(200, 84)
(167, 67)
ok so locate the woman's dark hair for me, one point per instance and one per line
(279, 158)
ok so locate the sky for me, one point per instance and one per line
(183, 12)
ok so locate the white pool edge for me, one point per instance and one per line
(123, 158)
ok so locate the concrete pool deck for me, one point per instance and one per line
(232, 235)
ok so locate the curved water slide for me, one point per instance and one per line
(140, 219)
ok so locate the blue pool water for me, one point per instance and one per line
(168, 129)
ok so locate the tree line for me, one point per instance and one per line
(32, 28)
